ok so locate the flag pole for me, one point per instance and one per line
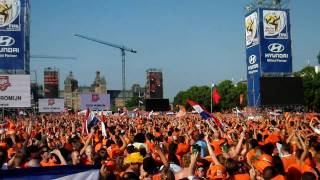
(212, 85)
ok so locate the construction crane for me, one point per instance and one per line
(52, 57)
(123, 50)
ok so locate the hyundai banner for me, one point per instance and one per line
(12, 34)
(268, 47)
(51, 105)
(95, 101)
(15, 91)
(276, 54)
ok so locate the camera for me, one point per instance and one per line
(195, 148)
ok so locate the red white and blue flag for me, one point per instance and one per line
(91, 122)
(205, 114)
(239, 114)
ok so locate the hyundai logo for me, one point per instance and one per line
(252, 59)
(6, 41)
(276, 47)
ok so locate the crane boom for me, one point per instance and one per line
(123, 50)
(107, 43)
(52, 57)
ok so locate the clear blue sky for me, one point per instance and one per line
(193, 42)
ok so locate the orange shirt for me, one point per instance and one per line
(49, 163)
(287, 161)
(216, 171)
(302, 167)
(279, 177)
(251, 154)
(240, 177)
(182, 149)
(216, 144)
(150, 145)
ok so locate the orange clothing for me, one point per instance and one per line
(240, 177)
(273, 138)
(11, 152)
(47, 164)
(113, 150)
(302, 167)
(279, 177)
(157, 134)
(216, 145)
(97, 147)
(150, 145)
(216, 172)
(182, 149)
(251, 154)
(287, 161)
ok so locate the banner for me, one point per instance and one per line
(276, 53)
(12, 38)
(95, 101)
(54, 172)
(251, 23)
(15, 91)
(268, 47)
(51, 105)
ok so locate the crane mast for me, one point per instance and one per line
(123, 50)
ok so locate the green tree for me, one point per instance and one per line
(201, 94)
(311, 87)
(318, 56)
(229, 93)
(133, 102)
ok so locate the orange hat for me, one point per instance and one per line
(216, 172)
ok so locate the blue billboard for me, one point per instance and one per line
(275, 41)
(12, 34)
(268, 47)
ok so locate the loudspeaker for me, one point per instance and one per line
(157, 105)
(281, 91)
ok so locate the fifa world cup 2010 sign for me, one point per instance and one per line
(13, 28)
(268, 47)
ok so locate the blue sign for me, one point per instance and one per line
(12, 34)
(268, 48)
(276, 54)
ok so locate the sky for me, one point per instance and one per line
(193, 42)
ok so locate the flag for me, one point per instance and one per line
(67, 172)
(103, 117)
(241, 98)
(215, 96)
(205, 114)
(91, 122)
(182, 112)
(103, 129)
(84, 122)
(125, 112)
(150, 115)
(239, 114)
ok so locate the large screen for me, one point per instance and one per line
(157, 105)
(281, 91)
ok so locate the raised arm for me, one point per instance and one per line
(87, 142)
(211, 152)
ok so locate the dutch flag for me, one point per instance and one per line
(91, 121)
(205, 114)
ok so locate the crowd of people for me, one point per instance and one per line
(266, 146)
